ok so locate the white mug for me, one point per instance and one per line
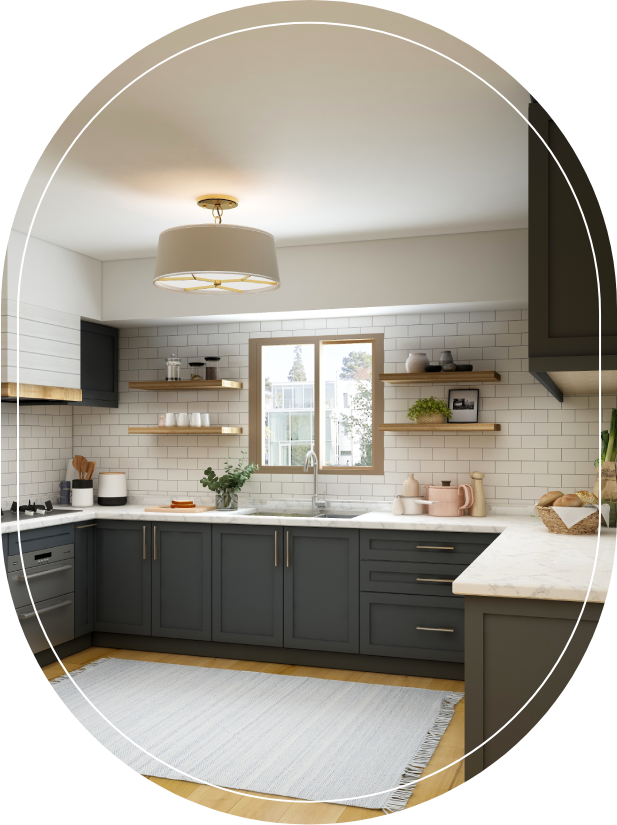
(195, 419)
(183, 419)
(170, 419)
(205, 419)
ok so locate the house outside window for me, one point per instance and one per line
(320, 393)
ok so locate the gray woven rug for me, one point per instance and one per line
(316, 739)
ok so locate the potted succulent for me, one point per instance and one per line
(429, 411)
(226, 486)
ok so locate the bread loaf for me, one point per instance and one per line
(586, 497)
(571, 500)
(548, 498)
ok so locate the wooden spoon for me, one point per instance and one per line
(91, 466)
(84, 466)
(77, 463)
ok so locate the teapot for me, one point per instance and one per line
(448, 501)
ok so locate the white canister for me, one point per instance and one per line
(112, 489)
(416, 362)
(83, 493)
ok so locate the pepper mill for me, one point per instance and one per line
(478, 508)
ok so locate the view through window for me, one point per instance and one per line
(317, 395)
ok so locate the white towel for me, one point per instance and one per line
(572, 515)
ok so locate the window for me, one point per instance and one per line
(316, 393)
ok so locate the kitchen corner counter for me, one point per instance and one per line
(525, 561)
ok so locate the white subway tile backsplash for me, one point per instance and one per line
(543, 444)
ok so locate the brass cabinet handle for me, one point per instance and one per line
(445, 581)
(83, 526)
(145, 542)
(438, 629)
(432, 547)
(288, 548)
(154, 556)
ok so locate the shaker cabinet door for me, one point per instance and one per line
(181, 581)
(322, 589)
(123, 577)
(85, 560)
(247, 584)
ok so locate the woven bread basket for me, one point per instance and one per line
(554, 524)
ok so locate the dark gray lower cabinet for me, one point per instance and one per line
(123, 577)
(181, 581)
(416, 627)
(84, 560)
(321, 593)
(247, 584)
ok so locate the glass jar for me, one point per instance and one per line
(197, 370)
(226, 500)
(173, 368)
(212, 368)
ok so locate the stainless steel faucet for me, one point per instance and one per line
(319, 505)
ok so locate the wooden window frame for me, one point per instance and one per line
(255, 411)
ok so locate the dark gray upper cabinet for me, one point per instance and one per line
(563, 293)
(181, 581)
(247, 584)
(99, 366)
(85, 552)
(123, 577)
(321, 592)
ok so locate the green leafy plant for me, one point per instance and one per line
(429, 406)
(232, 480)
(603, 446)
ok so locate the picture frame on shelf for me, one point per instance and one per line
(464, 404)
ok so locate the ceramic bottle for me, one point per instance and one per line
(478, 508)
(411, 487)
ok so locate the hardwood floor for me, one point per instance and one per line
(290, 811)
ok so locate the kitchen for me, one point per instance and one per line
(525, 440)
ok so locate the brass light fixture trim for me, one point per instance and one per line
(220, 201)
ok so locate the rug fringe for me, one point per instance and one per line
(65, 678)
(412, 773)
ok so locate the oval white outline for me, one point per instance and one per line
(92, 119)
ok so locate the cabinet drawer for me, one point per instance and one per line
(418, 578)
(415, 545)
(412, 627)
(42, 539)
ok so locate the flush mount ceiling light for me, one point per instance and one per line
(215, 259)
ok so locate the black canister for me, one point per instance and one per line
(212, 368)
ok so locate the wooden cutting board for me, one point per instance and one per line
(177, 509)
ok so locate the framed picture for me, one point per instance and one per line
(464, 406)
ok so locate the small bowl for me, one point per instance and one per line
(464, 367)
(433, 368)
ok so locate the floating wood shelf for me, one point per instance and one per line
(37, 391)
(479, 377)
(185, 430)
(441, 428)
(174, 386)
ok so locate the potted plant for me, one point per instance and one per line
(226, 486)
(429, 411)
(606, 483)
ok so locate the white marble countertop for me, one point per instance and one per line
(524, 561)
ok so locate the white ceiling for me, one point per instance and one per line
(325, 134)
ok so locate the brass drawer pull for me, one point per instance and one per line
(444, 581)
(288, 548)
(432, 547)
(144, 542)
(154, 534)
(276, 548)
(83, 526)
(438, 629)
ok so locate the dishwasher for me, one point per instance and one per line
(51, 577)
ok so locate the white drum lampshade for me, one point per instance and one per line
(216, 259)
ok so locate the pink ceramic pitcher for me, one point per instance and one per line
(449, 501)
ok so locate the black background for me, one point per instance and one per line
(53, 57)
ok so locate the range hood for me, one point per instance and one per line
(38, 394)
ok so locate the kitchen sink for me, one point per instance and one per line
(302, 515)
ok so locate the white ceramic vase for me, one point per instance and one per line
(416, 362)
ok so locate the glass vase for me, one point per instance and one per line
(226, 500)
